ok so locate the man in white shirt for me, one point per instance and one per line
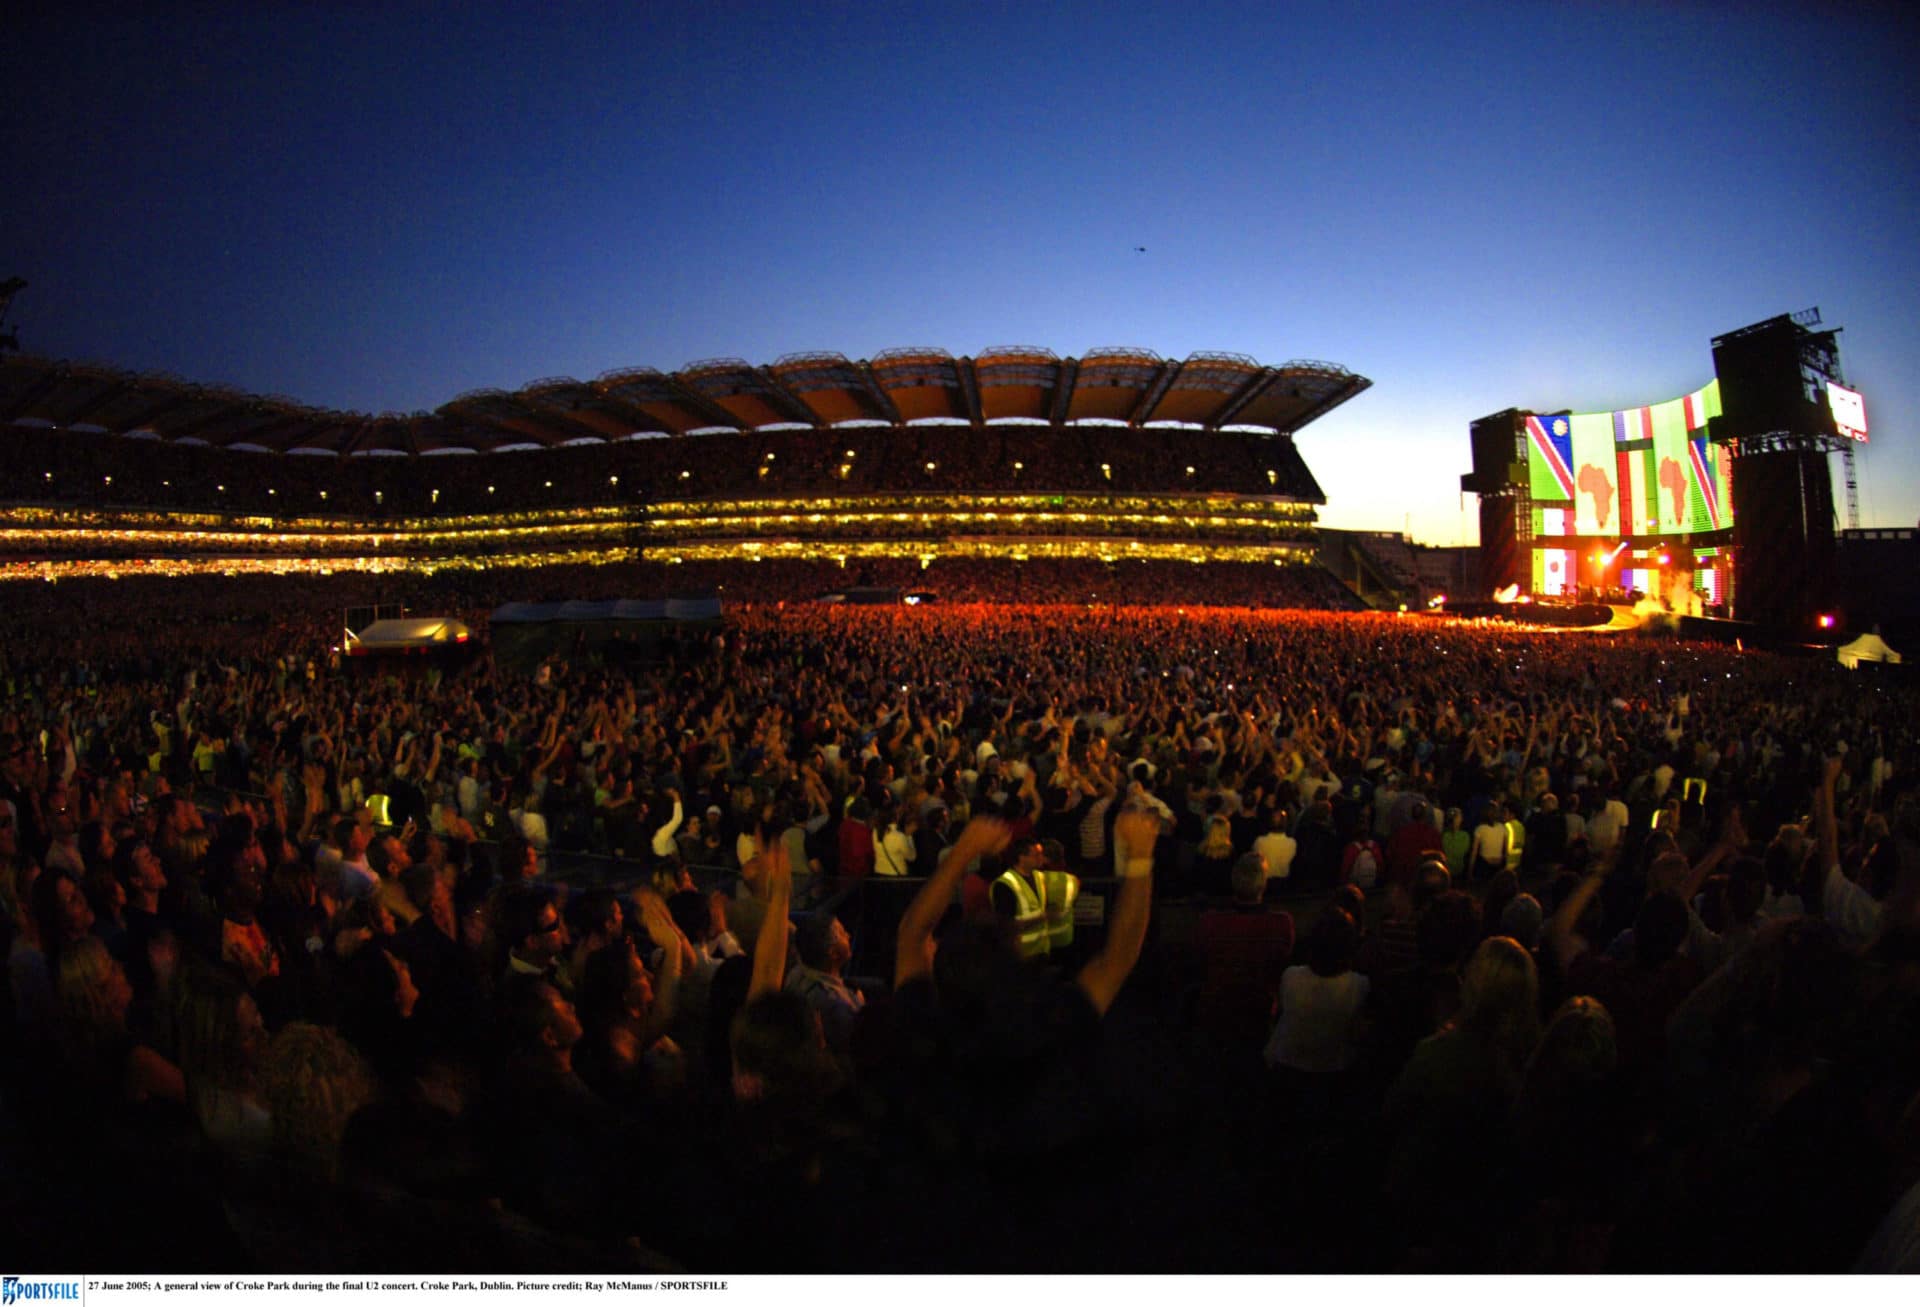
(894, 850)
(1606, 826)
(357, 878)
(1278, 847)
(469, 794)
(1489, 843)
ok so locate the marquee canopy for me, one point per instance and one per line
(1120, 384)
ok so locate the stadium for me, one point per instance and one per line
(914, 459)
(423, 810)
(933, 810)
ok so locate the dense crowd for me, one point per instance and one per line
(309, 607)
(1411, 944)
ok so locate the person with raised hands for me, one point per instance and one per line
(774, 874)
(915, 944)
(1849, 907)
(1135, 832)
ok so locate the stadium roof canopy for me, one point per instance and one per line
(1117, 384)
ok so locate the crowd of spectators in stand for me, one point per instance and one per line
(313, 604)
(92, 470)
(1424, 946)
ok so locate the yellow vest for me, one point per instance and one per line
(1030, 920)
(1062, 888)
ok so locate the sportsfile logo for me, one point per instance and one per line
(13, 1289)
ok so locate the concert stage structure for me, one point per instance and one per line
(1719, 501)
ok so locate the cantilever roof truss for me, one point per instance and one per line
(1121, 384)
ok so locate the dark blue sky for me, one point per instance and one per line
(377, 207)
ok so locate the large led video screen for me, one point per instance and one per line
(1633, 473)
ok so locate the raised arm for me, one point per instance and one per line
(1100, 979)
(770, 949)
(1826, 828)
(1733, 838)
(913, 952)
(673, 948)
(1849, 907)
(1560, 936)
(663, 837)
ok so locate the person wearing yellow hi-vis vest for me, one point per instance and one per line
(1038, 902)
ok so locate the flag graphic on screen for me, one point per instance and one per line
(1635, 472)
(1704, 479)
(1551, 441)
(1558, 570)
(1696, 408)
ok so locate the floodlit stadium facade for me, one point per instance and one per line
(1011, 453)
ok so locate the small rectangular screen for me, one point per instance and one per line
(1849, 411)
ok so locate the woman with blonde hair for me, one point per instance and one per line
(220, 1036)
(1448, 1111)
(314, 1081)
(1500, 1003)
(1571, 1126)
(101, 1054)
(1213, 867)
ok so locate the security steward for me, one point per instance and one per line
(1038, 902)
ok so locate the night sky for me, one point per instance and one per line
(377, 206)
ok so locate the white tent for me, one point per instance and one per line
(1869, 648)
(404, 634)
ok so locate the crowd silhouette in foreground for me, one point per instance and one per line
(1406, 944)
